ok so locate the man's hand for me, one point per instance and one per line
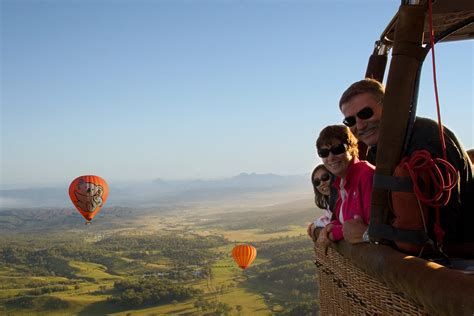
(325, 237)
(354, 229)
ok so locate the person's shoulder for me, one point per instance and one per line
(425, 120)
(363, 166)
(423, 125)
(359, 169)
(426, 131)
(363, 172)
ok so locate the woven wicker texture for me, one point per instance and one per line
(347, 290)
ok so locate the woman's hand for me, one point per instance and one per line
(310, 231)
(325, 237)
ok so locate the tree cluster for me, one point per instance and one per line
(46, 290)
(211, 307)
(150, 291)
(38, 262)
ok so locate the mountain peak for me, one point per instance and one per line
(255, 175)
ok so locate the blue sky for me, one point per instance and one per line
(132, 90)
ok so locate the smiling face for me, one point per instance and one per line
(336, 164)
(366, 130)
(323, 187)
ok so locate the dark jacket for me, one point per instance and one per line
(457, 217)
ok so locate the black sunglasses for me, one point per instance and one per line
(324, 177)
(335, 150)
(363, 114)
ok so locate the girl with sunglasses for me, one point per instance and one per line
(337, 147)
(324, 196)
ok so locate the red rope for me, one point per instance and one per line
(435, 82)
(449, 168)
(421, 165)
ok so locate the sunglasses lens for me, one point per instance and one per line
(323, 152)
(349, 121)
(325, 177)
(339, 149)
(365, 113)
(317, 181)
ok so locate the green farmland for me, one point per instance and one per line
(186, 270)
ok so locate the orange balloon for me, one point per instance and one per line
(244, 255)
(88, 194)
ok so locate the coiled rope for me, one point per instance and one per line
(421, 165)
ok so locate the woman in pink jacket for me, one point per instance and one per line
(337, 147)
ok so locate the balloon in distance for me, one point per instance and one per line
(88, 194)
(244, 255)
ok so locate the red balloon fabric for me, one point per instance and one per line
(244, 255)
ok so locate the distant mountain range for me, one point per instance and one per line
(161, 192)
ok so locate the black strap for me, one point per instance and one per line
(391, 183)
(417, 237)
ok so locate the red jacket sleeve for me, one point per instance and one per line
(336, 231)
(366, 185)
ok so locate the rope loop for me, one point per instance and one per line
(421, 165)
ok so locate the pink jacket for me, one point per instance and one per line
(358, 186)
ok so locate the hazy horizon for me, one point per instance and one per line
(67, 182)
(241, 189)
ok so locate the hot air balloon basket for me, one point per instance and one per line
(344, 289)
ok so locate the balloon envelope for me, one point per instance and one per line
(244, 255)
(88, 194)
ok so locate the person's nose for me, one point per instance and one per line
(331, 156)
(360, 124)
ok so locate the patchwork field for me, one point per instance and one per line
(168, 265)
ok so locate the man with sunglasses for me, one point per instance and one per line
(362, 106)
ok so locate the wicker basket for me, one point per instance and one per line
(347, 290)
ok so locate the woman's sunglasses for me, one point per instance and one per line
(363, 114)
(335, 150)
(324, 177)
